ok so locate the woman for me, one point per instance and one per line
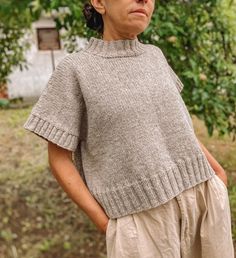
(138, 170)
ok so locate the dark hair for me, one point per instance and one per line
(93, 18)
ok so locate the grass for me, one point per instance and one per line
(37, 219)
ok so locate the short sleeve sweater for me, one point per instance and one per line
(117, 106)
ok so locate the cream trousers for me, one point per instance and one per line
(194, 224)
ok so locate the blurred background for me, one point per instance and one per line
(37, 219)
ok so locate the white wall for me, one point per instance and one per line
(29, 84)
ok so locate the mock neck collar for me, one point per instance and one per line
(115, 48)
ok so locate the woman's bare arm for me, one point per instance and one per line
(65, 172)
(214, 164)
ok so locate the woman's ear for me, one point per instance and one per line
(99, 5)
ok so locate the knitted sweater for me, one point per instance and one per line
(117, 106)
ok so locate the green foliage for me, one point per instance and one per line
(15, 20)
(68, 16)
(12, 53)
(198, 40)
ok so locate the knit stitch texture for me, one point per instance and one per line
(117, 106)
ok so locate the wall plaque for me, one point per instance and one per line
(48, 39)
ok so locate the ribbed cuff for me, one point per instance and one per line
(150, 192)
(50, 132)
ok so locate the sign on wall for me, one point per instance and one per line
(48, 39)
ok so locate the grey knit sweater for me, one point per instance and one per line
(117, 106)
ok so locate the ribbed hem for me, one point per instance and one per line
(50, 132)
(153, 191)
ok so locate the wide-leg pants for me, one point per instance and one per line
(194, 224)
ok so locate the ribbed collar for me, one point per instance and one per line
(115, 48)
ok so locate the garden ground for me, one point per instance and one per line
(37, 219)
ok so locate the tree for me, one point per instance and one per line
(14, 23)
(199, 40)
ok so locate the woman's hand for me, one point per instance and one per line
(222, 175)
(219, 170)
(103, 228)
